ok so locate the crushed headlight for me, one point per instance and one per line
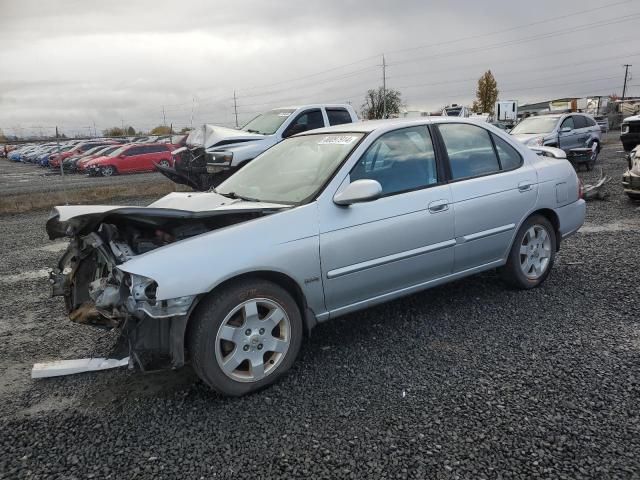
(143, 300)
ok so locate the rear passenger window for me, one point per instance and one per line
(338, 116)
(590, 122)
(509, 157)
(579, 121)
(400, 161)
(470, 150)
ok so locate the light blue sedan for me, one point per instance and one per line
(322, 224)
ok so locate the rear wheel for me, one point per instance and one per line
(245, 336)
(532, 254)
(164, 163)
(108, 171)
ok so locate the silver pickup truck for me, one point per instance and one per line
(213, 153)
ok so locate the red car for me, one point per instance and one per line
(136, 157)
(79, 149)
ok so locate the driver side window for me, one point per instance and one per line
(309, 120)
(567, 123)
(400, 161)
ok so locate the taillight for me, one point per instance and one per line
(580, 189)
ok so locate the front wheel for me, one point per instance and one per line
(532, 254)
(108, 171)
(164, 163)
(245, 336)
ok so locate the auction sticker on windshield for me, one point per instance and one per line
(337, 140)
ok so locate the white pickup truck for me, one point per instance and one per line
(213, 153)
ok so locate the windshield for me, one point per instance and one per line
(535, 125)
(269, 122)
(118, 151)
(109, 149)
(293, 170)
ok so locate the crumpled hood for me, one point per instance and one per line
(81, 219)
(525, 137)
(208, 135)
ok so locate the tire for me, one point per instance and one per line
(635, 197)
(164, 163)
(520, 262)
(108, 171)
(223, 331)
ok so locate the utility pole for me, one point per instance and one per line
(626, 75)
(123, 132)
(384, 88)
(164, 117)
(235, 107)
(95, 132)
(193, 107)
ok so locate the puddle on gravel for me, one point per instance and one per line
(29, 275)
(629, 226)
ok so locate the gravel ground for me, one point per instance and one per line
(468, 380)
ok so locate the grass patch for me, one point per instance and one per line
(26, 202)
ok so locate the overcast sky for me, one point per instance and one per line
(74, 63)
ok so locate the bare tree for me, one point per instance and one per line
(373, 106)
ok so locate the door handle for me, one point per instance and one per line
(438, 206)
(525, 186)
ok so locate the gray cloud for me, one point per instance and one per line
(72, 63)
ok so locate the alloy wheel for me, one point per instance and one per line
(253, 340)
(107, 171)
(535, 252)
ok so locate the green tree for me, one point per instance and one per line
(3, 139)
(113, 132)
(131, 130)
(374, 104)
(185, 130)
(486, 93)
(161, 130)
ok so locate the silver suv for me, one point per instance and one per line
(567, 131)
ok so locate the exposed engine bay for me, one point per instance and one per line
(98, 293)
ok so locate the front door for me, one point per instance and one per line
(492, 190)
(401, 240)
(569, 139)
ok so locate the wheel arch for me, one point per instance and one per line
(309, 320)
(552, 216)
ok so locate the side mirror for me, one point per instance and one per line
(565, 130)
(357, 192)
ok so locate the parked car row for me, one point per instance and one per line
(102, 156)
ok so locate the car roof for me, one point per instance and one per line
(314, 105)
(390, 124)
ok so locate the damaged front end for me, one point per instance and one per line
(98, 293)
(631, 178)
(99, 290)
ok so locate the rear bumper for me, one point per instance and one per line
(571, 218)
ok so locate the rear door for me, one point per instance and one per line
(403, 239)
(492, 189)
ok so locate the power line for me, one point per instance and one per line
(517, 27)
